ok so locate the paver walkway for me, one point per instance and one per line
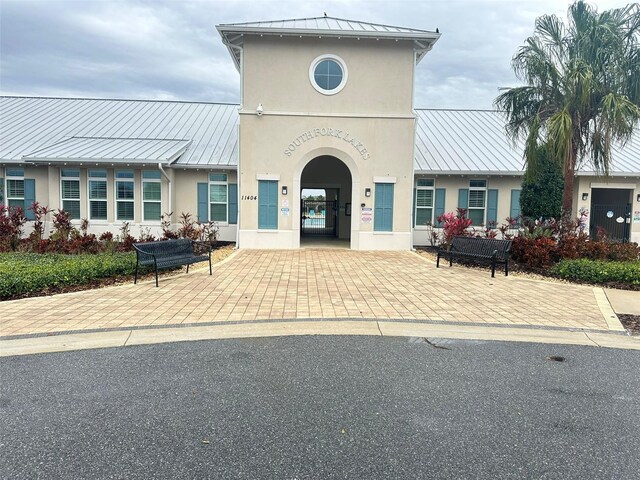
(298, 284)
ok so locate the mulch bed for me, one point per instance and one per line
(630, 322)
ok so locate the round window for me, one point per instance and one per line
(328, 74)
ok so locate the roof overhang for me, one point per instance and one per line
(233, 37)
(105, 150)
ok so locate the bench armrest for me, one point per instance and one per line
(142, 253)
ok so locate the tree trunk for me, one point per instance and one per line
(567, 194)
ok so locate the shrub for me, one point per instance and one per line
(599, 271)
(25, 273)
(540, 252)
(12, 222)
(454, 224)
(542, 187)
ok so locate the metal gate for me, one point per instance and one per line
(615, 220)
(319, 217)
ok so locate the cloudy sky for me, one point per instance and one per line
(158, 49)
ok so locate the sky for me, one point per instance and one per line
(170, 50)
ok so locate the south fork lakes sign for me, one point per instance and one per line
(327, 132)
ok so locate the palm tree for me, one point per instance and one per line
(582, 89)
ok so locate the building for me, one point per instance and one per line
(326, 104)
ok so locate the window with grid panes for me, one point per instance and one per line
(124, 195)
(151, 196)
(70, 191)
(424, 201)
(218, 197)
(97, 186)
(477, 201)
(15, 188)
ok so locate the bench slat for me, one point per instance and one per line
(169, 253)
(497, 251)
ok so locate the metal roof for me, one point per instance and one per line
(32, 129)
(232, 33)
(29, 124)
(117, 150)
(474, 142)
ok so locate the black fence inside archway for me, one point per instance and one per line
(318, 217)
(614, 221)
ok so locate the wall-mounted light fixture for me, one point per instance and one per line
(284, 189)
(259, 110)
(367, 192)
(585, 195)
(638, 198)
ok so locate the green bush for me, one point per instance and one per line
(24, 273)
(598, 271)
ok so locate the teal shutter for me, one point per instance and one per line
(515, 204)
(267, 204)
(492, 206)
(415, 199)
(233, 203)
(203, 202)
(463, 198)
(383, 208)
(439, 204)
(29, 197)
(1, 189)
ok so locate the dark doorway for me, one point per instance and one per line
(325, 201)
(610, 213)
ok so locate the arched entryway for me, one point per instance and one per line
(326, 189)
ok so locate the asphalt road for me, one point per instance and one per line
(322, 407)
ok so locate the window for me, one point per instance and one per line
(151, 196)
(477, 201)
(424, 202)
(328, 74)
(268, 204)
(218, 197)
(70, 191)
(383, 208)
(124, 195)
(15, 188)
(97, 194)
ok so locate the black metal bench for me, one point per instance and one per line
(169, 253)
(496, 251)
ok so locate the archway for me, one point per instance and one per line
(326, 188)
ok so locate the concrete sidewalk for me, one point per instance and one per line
(624, 301)
(301, 284)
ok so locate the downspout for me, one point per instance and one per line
(413, 158)
(169, 182)
(238, 182)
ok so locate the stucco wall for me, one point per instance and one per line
(504, 185)
(368, 125)
(276, 74)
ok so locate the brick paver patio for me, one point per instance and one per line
(298, 284)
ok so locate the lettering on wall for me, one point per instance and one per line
(327, 132)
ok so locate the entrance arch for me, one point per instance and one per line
(335, 173)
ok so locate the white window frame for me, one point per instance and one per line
(105, 200)
(312, 73)
(8, 177)
(484, 209)
(143, 202)
(117, 180)
(209, 202)
(63, 199)
(432, 188)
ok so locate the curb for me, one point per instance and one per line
(133, 337)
